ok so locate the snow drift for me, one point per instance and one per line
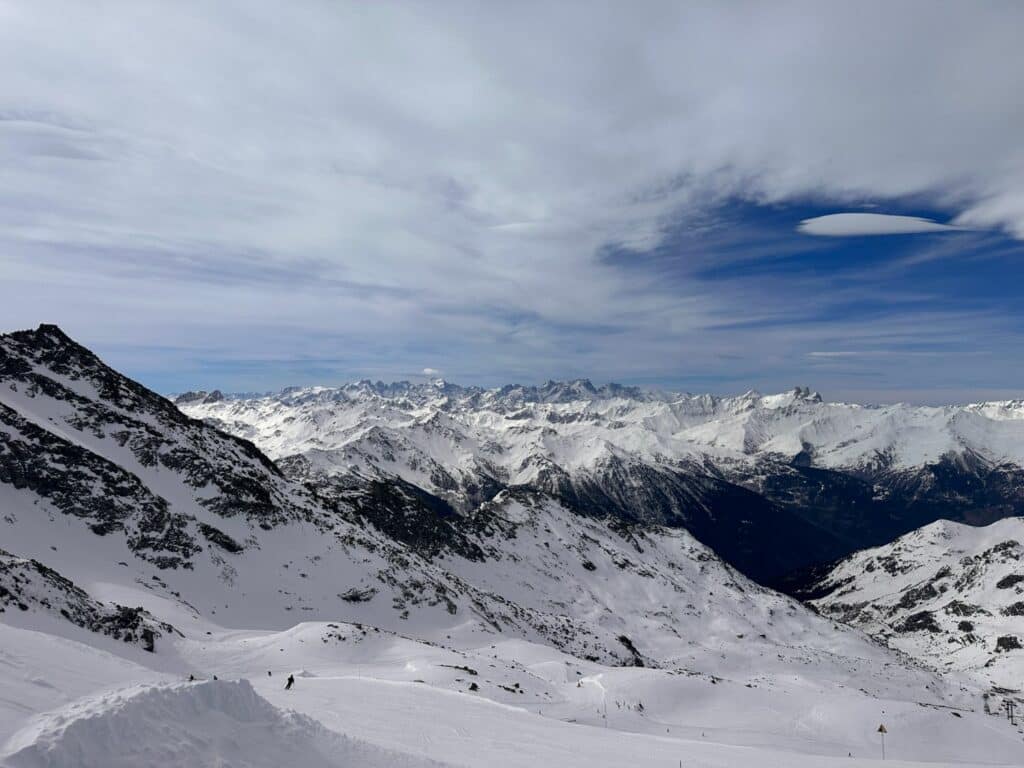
(210, 723)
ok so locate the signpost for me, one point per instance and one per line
(883, 731)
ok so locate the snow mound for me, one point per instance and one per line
(210, 723)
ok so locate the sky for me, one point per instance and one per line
(696, 196)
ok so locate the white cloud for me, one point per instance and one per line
(431, 372)
(856, 224)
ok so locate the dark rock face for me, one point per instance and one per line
(964, 488)
(355, 595)
(28, 585)
(759, 537)
(1008, 582)
(777, 521)
(876, 506)
(1007, 643)
(103, 435)
(69, 476)
(638, 659)
(959, 608)
(923, 621)
(416, 518)
(913, 597)
(425, 523)
(221, 539)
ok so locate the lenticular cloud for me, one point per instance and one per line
(855, 224)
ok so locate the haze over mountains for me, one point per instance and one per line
(523, 547)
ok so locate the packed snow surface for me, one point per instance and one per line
(368, 698)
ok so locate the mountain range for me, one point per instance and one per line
(561, 557)
(773, 483)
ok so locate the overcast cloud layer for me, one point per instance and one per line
(255, 194)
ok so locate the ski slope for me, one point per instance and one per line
(375, 699)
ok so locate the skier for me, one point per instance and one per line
(290, 683)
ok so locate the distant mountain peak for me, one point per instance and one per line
(199, 397)
(46, 338)
(805, 393)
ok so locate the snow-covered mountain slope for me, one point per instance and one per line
(131, 503)
(108, 485)
(94, 445)
(949, 594)
(794, 480)
(28, 586)
(112, 501)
